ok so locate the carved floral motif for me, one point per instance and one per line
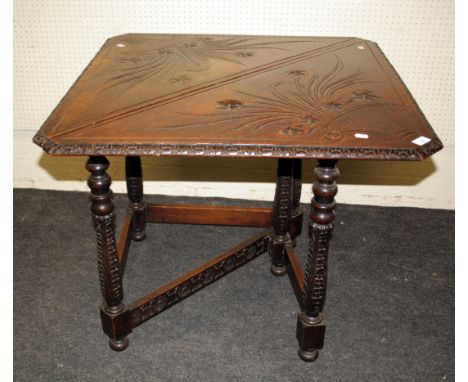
(303, 104)
(228, 104)
(193, 54)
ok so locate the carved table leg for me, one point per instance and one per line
(108, 264)
(296, 214)
(281, 216)
(136, 205)
(311, 324)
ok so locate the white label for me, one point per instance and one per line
(422, 140)
(361, 135)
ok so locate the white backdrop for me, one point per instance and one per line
(55, 39)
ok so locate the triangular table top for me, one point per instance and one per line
(226, 95)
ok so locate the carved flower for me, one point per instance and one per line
(193, 54)
(250, 253)
(159, 304)
(191, 44)
(197, 41)
(309, 119)
(332, 106)
(230, 264)
(244, 54)
(185, 289)
(291, 130)
(228, 104)
(136, 317)
(296, 73)
(334, 136)
(305, 104)
(180, 80)
(208, 276)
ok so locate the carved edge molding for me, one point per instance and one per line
(239, 150)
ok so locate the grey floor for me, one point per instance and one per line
(390, 305)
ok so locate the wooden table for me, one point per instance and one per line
(290, 98)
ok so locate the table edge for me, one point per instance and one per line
(237, 150)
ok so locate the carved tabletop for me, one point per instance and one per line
(226, 95)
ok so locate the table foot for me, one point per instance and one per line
(138, 235)
(278, 270)
(308, 356)
(118, 345)
(310, 336)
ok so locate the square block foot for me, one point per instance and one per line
(310, 336)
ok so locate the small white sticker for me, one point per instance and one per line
(361, 135)
(422, 140)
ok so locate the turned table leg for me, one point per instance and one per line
(136, 205)
(311, 324)
(108, 264)
(282, 207)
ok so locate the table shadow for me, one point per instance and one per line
(204, 169)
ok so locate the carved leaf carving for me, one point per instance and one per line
(304, 103)
(188, 55)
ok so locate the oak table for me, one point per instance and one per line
(289, 98)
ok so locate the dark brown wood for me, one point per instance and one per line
(295, 273)
(281, 220)
(225, 95)
(208, 214)
(175, 291)
(311, 327)
(102, 210)
(310, 337)
(296, 214)
(284, 97)
(123, 244)
(134, 178)
(117, 327)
